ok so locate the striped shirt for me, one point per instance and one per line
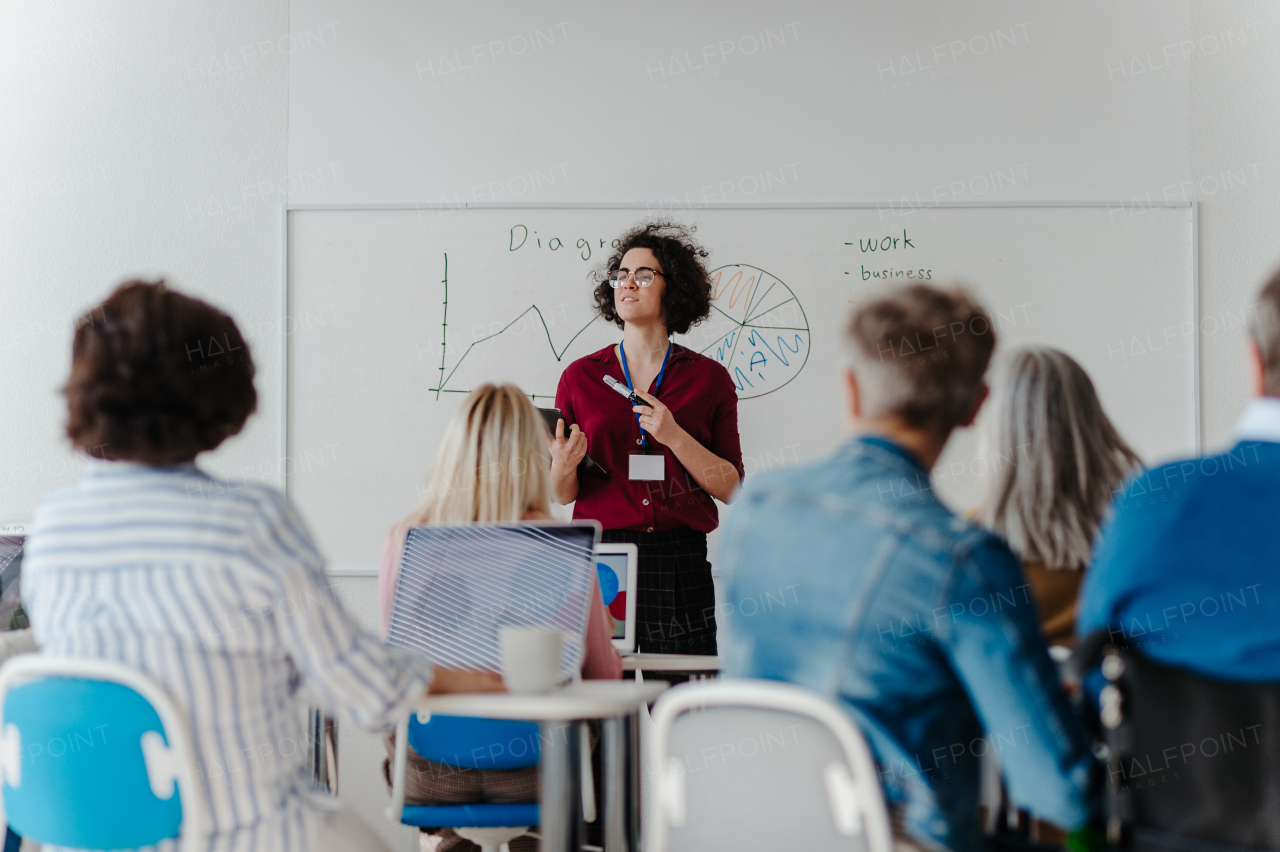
(216, 591)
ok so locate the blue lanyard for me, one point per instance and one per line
(657, 383)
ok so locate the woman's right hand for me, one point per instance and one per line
(567, 451)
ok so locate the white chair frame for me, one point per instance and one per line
(853, 789)
(28, 668)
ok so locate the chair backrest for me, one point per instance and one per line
(1189, 757)
(467, 742)
(93, 756)
(459, 586)
(754, 764)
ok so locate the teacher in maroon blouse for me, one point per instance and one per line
(669, 459)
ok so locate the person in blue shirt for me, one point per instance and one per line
(850, 577)
(1185, 570)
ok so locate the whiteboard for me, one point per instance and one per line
(393, 315)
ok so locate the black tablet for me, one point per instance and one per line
(586, 467)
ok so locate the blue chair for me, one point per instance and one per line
(94, 755)
(458, 587)
(466, 742)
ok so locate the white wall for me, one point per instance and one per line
(130, 134)
(1233, 132)
(459, 105)
(146, 138)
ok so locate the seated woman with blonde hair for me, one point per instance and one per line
(492, 467)
(1057, 460)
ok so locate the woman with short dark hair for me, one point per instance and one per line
(156, 378)
(212, 588)
(671, 455)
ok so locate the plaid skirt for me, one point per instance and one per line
(676, 601)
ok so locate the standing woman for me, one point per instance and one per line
(667, 458)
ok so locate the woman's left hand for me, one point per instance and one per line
(657, 420)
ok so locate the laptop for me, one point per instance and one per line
(459, 586)
(617, 566)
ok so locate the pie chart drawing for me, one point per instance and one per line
(762, 332)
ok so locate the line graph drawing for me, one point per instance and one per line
(442, 384)
(758, 332)
(766, 344)
(444, 328)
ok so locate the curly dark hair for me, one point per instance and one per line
(686, 301)
(156, 377)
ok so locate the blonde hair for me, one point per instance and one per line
(1058, 459)
(493, 465)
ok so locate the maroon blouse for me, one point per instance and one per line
(704, 402)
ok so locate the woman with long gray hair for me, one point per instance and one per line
(1057, 461)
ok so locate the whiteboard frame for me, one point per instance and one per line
(660, 206)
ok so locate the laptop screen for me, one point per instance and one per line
(612, 568)
(12, 616)
(459, 586)
(616, 567)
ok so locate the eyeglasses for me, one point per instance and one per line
(642, 276)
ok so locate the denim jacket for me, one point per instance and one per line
(849, 576)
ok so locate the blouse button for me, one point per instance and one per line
(650, 529)
(645, 502)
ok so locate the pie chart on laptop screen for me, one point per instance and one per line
(612, 571)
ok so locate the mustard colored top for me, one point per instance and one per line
(1055, 591)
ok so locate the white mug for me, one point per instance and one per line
(530, 658)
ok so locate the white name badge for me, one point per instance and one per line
(652, 467)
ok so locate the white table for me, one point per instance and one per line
(671, 663)
(616, 704)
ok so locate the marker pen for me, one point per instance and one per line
(622, 389)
